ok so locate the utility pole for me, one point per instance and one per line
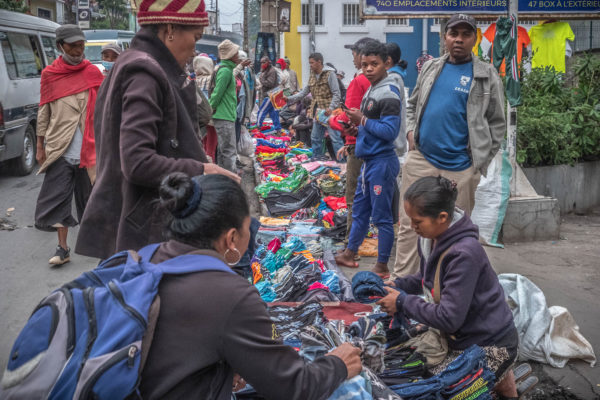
(511, 113)
(217, 22)
(311, 25)
(246, 27)
(277, 35)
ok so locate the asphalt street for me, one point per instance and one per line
(568, 271)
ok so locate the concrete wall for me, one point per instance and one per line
(529, 220)
(577, 188)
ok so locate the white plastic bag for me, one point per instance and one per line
(548, 335)
(245, 146)
(491, 199)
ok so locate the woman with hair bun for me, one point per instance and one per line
(464, 299)
(213, 323)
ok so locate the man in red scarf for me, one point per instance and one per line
(66, 149)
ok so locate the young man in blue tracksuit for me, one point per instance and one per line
(376, 127)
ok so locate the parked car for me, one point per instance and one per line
(27, 46)
(96, 38)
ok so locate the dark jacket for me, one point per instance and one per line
(212, 324)
(472, 307)
(145, 124)
(381, 105)
(268, 80)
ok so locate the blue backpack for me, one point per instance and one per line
(85, 340)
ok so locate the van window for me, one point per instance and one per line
(50, 49)
(21, 55)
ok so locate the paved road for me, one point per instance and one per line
(567, 270)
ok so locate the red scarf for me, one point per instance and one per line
(61, 80)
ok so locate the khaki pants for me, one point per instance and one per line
(353, 166)
(415, 167)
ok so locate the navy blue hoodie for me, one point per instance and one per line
(381, 105)
(472, 307)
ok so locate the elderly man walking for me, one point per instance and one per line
(455, 127)
(65, 145)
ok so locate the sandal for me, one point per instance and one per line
(526, 385)
(521, 372)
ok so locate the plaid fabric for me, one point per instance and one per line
(319, 88)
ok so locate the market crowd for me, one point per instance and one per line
(150, 150)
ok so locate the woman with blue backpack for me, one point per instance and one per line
(213, 324)
(170, 321)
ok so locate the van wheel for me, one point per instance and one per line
(24, 164)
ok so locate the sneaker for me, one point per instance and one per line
(61, 256)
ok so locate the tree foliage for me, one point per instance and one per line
(560, 123)
(14, 5)
(116, 15)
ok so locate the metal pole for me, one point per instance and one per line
(246, 27)
(311, 25)
(218, 27)
(425, 38)
(511, 118)
(277, 36)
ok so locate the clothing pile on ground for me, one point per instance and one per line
(314, 306)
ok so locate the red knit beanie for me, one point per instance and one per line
(182, 12)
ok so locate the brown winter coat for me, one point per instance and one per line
(268, 81)
(145, 123)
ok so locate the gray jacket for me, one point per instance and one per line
(485, 109)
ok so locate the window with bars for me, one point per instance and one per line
(318, 14)
(397, 21)
(44, 13)
(351, 15)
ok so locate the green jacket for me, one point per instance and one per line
(223, 99)
(485, 109)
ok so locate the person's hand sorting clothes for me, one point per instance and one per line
(355, 116)
(389, 303)
(350, 355)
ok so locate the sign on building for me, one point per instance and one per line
(420, 8)
(83, 18)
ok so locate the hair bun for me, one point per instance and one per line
(179, 194)
(448, 185)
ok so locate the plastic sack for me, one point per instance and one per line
(548, 335)
(281, 203)
(491, 199)
(288, 185)
(245, 146)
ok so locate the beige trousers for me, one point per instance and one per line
(415, 167)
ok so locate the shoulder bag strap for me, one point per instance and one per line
(436, 281)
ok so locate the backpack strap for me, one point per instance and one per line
(189, 263)
(436, 281)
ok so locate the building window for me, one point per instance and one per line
(436, 21)
(351, 15)
(318, 14)
(44, 13)
(397, 21)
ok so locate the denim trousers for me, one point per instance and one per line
(317, 137)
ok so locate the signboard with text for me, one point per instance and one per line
(559, 6)
(408, 8)
(83, 18)
(422, 7)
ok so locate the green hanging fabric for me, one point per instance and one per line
(505, 46)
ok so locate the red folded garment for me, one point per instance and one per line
(274, 245)
(335, 203)
(317, 285)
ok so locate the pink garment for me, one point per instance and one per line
(317, 285)
(321, 265)
(274, 245)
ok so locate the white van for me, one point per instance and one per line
(96, 38)
(27, 46)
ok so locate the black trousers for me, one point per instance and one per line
(62, 182)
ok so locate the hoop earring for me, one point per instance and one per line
(238, 260)
(170, 38)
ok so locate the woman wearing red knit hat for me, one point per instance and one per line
(146, 125)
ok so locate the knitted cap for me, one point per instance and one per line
(227, 49)
(183, 12)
